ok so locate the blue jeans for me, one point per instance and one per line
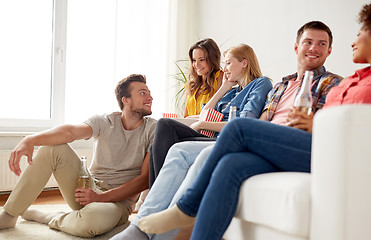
(168, 132)
(180, 168)
(245, 147)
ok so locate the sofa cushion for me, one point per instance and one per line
(277, 200)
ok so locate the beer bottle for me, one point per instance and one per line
(303, 101)
(83, 180)
(232, 113)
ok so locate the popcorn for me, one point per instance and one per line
(170, 115)
(210, 115)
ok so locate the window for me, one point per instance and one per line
(108, 41)
(63, 61)
(32, 64)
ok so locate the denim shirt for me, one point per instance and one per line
(249, 101)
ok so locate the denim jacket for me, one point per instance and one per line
(249, 101)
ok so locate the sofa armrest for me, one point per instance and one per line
(341, 173)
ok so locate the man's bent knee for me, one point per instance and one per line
(93, 219)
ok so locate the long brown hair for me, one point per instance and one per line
(212, 55)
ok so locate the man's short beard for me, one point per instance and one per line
(140, 112)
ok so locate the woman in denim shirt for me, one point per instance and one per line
(248, 147)
(249, 94)
(241, 68)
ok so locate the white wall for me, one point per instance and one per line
(270, 26)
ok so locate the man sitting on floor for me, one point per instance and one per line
(119, 169)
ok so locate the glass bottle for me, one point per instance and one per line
(83, 180)
(232, 113)
(303, 101)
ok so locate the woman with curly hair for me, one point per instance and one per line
(247, 147)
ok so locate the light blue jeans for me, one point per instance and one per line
(245, 147)
(181, 166)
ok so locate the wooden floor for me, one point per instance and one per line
(55, 197)
(46, 197)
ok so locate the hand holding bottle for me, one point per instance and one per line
(299, 119)
(301, 115)
(83, 180)
(303, 101)
(85, 196)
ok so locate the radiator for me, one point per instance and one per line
(8, 179)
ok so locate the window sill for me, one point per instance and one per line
(9, 140)
(15, 134)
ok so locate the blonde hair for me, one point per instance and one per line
(244, 51)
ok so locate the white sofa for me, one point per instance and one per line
(331, 203)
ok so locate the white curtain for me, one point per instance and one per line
(108, 40)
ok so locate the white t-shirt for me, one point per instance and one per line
(118, 153)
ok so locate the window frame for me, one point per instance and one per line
(57, 77)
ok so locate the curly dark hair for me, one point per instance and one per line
(365, 16)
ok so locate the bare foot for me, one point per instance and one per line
(165, 221)
(7, 220)
(40, 217)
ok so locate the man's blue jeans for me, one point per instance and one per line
(245, 147)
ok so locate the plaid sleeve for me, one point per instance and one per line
(270, 96)
(273, 98)
(324, 88)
